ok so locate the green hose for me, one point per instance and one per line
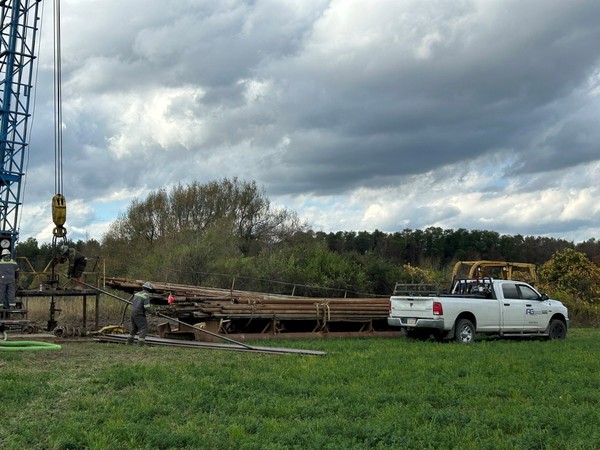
(17, 346)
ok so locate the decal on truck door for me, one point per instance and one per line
(535, 308)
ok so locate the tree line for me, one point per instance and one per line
(227, 231)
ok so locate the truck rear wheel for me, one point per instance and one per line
(464, 331)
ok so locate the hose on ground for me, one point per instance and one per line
(18, 346)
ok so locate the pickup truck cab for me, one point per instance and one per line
(487, 306)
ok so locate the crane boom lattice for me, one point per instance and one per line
(19, 23)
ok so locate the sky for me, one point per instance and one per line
(357, 115)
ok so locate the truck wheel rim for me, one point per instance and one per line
(466, 335)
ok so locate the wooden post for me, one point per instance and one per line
(96, 314)
(84, 311)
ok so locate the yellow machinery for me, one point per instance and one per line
(495, 269)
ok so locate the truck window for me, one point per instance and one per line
(510, 291)
(527, 293)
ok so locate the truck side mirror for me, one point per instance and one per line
(544, 297)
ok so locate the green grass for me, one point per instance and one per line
(365, 393)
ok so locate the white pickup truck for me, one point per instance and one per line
(502, 307)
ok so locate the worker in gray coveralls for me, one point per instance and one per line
(9, 272)
(140, 304)
(77, 263)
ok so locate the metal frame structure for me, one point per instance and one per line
(507, 270)
(19, 22)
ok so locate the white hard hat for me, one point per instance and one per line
(147, 286)
(5, 252)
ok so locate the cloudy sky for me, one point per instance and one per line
(358, 115)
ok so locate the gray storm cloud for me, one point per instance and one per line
(350, 106)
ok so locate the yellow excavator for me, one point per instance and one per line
(495, 269)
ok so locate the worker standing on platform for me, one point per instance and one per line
(77, 263)
(9, 273)
(140, 304)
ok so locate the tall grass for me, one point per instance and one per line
(365, 393)
(69, 310)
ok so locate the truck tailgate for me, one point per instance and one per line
(418, 307)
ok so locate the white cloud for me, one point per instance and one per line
(378, 115)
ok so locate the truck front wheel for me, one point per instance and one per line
(464, 332)
(557, 330)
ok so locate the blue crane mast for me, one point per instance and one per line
(19, 23)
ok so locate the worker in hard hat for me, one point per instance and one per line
(140, 305)
(77, 263)
(9, 272)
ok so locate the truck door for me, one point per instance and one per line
(536, 310)
(513, 308)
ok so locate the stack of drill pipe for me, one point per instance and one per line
(232, 304)
(183, 292)
(332, 309)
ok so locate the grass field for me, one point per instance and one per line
(368, 393)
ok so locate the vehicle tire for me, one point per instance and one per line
(557, 330)
(464, 331)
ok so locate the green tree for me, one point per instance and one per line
(591, 248)
(28, 248)
(176, 227)
(572, 272)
